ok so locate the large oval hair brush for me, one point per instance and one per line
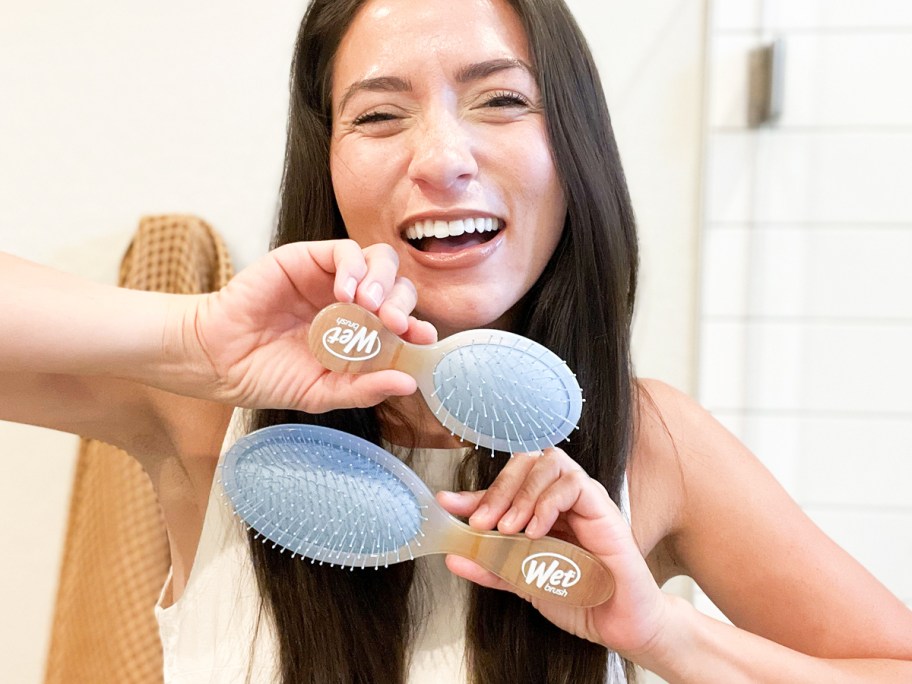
(335, 498)
(490, 387)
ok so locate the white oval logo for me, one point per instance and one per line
(551, 572)
(352, 342)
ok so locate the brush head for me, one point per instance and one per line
(496, 389)
(503, 391)
(326, 495)
(332, 497)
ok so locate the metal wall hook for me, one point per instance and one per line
(765, 83)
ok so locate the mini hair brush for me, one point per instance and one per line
(335, 498)
(493, 388)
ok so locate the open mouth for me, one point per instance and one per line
(452, 236)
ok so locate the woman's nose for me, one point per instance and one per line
(442, 155)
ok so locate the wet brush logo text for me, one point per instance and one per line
(551, 571)
(351, 341)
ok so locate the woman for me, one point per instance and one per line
(410, 124)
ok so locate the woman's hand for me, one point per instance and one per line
(248, 342)
(551, 494)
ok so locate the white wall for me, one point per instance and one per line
(807, 318)
(114, 110)
(650, 54)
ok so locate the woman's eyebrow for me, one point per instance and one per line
(381, 84)
(480, 70)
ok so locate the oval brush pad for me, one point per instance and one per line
(490, 387)
(339, 499)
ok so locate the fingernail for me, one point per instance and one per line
(351, 285)
(375, 294)
(531, 527)
(509, 518)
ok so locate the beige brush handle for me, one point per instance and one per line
(349, 339)
(546, 568)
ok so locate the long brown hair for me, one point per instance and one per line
(354, 626)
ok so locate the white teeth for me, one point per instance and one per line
(444, 229)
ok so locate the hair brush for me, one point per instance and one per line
(339, 499)
(493, 388)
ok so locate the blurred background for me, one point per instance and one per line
(772, 189)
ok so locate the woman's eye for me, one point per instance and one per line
(506, 98)
(373, 118)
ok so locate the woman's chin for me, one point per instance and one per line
(458, 316)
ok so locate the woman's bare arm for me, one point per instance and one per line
(80, 356)
(804, 610)
(74, 355)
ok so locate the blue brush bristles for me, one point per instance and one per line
(324, 494)
(507, 393)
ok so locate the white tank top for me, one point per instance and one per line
(210, 634)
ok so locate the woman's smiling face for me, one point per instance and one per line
(439, 148)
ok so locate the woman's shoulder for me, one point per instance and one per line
(653, 474)
(678, 447)
(667, 424)
(698, 493)
(704, 506)
(672, 429)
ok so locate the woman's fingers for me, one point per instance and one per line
(467, 569)
(498, 498)
(560, 496)
(399, 302)
(365, 276)
(340, 390)
(342, 260)
(461, 504)
(547, 470)
(516, 495)
(420, 332)
(536, 494)
(373, 388)
(369, 277)
(535, 484)
(382, 266)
